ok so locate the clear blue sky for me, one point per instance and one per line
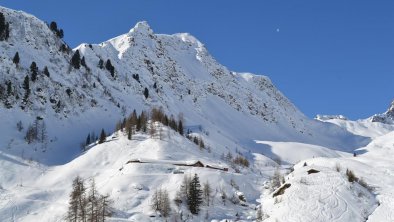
(330, 57)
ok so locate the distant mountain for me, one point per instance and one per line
(387, 117)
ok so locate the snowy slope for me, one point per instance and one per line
(322, 196)
(129, 184)
(327, 195)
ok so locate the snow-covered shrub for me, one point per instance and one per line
(351, 176)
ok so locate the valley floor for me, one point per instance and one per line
(130, 171)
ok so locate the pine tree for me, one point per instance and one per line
(9, 88)
(26, 87)
(194, 198)
(46, 71)
(129, 134)
(42, 132)
(136, 77)
(83, 62)
(143, 119)
(4, 28)
(19, 125)
(103, 136)
(53, 26)
(16, 59)
(101, 64)
(33, 71)
(180, 127)
(60, 33)
(172, 123)
(110, 68)
(76, 60)
(146, 93)
(87, 140)
(201, 143)
(64, 48)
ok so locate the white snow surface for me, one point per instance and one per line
(232, 112)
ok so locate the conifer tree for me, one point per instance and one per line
(83, 62)
(180, 127)
(33, 71)
(76, 60)
(129, 134)
(87, 140)
(53, 26)
(103, 136)
(26, 87)
(194, 198)
(60, 33)
(110, 68)
(46, 71)
(146, 93)
(101, 64)
(16, 59)
(4, 28)
(9, 88)
(143, 118)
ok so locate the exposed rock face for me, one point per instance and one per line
(387, 117)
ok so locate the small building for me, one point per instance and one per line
(217, 167)
(312, 171)
(195, 164)
(134, 161)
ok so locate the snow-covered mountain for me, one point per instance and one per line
(387, 117)
(238, 113)
(178, 72)
(372, 127)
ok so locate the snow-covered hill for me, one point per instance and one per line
(329, 196)
(237, 113)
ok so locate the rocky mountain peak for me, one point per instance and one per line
(142, 27)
